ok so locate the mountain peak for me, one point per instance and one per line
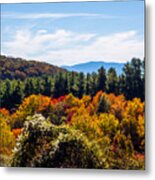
(93, 66)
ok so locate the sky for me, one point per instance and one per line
(72, 33)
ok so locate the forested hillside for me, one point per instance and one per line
(72, 85)
(56, 118)
(18, 68)
(12, 91)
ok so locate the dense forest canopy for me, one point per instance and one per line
(103, 131)
(50, 117)
(20, 78)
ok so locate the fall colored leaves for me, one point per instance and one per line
(115, 124)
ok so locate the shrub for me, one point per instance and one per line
(43, 144)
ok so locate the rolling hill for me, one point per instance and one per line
(90, 67)
(18, 68)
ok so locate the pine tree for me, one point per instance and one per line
(47, 86)
(81, 85)
(133, 79)
(59, 85)
(16, 96)
(88, 84)
(73, 84)
(112, 81)
(66, 85)
(5, 102)
(28, 90)
(101, 83)
(94, 84)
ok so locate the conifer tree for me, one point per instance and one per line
(101, 82)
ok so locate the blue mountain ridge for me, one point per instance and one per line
(92, 66)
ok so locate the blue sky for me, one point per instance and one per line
(71, 33)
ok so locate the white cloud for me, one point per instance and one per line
(13, 15)
(67, 47)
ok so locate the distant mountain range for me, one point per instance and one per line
(90, 67)
(18, 68)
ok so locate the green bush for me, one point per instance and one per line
(43, 144)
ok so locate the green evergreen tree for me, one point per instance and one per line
(88, 84)
(73, 84)
(5, 102)
(59, 85)
(101, 82)
(66, 84)
(39, 86)
(112, 81)
(94, 83)
(47, 86)
(28, 90)
(133, 79)
(16, 96)
(81, 85)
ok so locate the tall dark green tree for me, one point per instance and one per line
(66, 84)
(29, 87)
(88, 84)
(56, 87)
(5, 101)
(101, 83)
(39, 86)
(59, 85)
(73, 84)
(81, 84)
(133, 79)
(112, 81)
(121, 84)
(94, 83)
(16, 96)
(47, 86)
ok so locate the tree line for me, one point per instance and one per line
(131, 83)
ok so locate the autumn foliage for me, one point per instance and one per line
(110, 126)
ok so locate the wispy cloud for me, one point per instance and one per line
(67, 47)
(13, 15)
